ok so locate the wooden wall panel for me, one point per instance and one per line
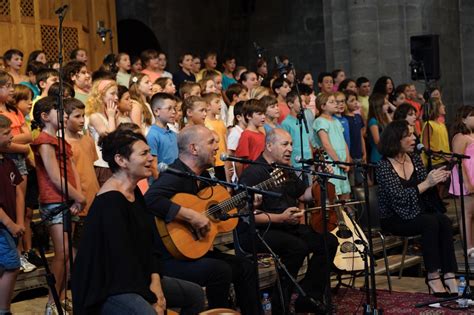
(21, 20)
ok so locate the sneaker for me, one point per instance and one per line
(67, 305)
(33, 258)
(52, 310)
(26, 266)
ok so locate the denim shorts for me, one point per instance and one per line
(20, 162)
(45, 210)
(9, 257)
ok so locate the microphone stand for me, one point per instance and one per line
(371, 306)
(67, 224)
(50, 280)
(302, 121)
(467, 290)
(366, 254)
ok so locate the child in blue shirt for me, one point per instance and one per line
(163, 142)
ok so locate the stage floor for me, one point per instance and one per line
(36, 306)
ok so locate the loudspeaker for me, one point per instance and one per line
(425, 50)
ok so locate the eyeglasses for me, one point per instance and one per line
(340, 101)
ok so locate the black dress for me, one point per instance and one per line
(405, 212)
(116, 254)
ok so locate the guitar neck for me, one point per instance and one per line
(233, 202)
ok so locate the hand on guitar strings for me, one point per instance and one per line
(292, 215)
(200, 224)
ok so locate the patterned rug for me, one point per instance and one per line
(351, 301)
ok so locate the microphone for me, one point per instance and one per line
(298, 159)
(165, 168)
(226, 157)
(420, 148)
(61, 9)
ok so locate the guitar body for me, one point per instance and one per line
(348, 256)
(178, 236)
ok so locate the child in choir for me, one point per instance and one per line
(229, 64)
(140, 92)
(259, 92)
(356, 131)
(196, 65)
(217, 125)
(435, 135)
(234, 136)
(84, 155)
(45, 78)
(176, 126)
(249, 80)
(194, 111)
(32, 70)
(329, 135)
(325, 82)
(19, 148)
(22, 98)
(292, 125)
(378, 119)
(122, 62)
(252, 140)
(10, 210)
(48, 151)
(101, 112)
(235, 93)
(188, 89)
(150, 64)
(272, 113)
(13, 61)
(124, 105)
(210, 64)
(341, 106)
(463, 143)
(76, 74)
(166, 85)
(163, 142)
(184, 74)
(281, 87)
(207, 85)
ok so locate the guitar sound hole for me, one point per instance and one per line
(217, 213)
(348, 247)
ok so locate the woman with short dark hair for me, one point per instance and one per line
(117, 269)
(407, 205)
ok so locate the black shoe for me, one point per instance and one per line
(33, 258)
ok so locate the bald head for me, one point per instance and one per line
(189, 135)
(275, 135)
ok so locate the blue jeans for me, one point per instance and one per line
(187, 296)
(127, 303)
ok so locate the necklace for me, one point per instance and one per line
(402, 163)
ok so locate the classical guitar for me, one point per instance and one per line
(348, 255)
(339, 224)
(179, 237)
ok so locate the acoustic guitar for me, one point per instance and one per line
(181, 240)
(348, 255)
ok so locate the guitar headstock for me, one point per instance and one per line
(278, 177)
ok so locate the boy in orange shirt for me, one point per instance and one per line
(84, 155)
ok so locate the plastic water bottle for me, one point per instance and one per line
(266, 304)
(462, 302)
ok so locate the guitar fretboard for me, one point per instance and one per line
(233, 202)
